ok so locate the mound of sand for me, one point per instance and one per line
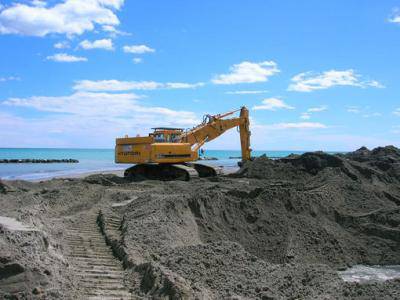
(278, 229)
(307, 210)
(343, 209)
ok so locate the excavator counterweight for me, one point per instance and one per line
(169, 153)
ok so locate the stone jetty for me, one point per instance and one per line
(37, 161)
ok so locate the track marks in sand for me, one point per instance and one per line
(99, 274)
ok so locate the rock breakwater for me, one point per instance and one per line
(37, 161)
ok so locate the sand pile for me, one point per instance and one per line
(344, 208)
(28, 263)
(304, 210)
(279, 229)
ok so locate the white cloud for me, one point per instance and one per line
(305, 116)
(100, 105)
(396, 129)
(329, 138)
(75, 116)
(373, 83)
(309, 81)
(114, 31)
(137, 60)
(117, 4)
(9, 78)
(366, 111)
(182, 85)
(80, 103)
(61, 45)
(353, 109)
(372, 115)
(105, 44)
(246, 92)
(248, 72)
(70, 17)
(272, 104)
(299, 125)
(69, 120)
(63, 57)
(395, 17)
(317, 109)
(138, 49)
(397, 112)
(116, 85)
(39, 3)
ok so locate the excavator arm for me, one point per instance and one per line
(214, 126)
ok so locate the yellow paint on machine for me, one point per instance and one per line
(174, 145)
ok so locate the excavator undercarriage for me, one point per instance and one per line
(166, 172)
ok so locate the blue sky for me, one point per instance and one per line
(316, 75)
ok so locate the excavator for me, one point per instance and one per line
(170, 153)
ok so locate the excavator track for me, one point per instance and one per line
(205, 170)
(168, 172)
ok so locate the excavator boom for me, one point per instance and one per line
(214, 126)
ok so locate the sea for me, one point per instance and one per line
(94, 160)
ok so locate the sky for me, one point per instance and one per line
(315, 75)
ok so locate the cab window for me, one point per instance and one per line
(159, 137)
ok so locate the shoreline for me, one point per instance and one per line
(30, 177)
(72, 175)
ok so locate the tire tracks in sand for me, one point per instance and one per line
(99, 274)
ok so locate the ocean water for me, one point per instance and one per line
(93, 160)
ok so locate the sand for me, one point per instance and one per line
(278, 229)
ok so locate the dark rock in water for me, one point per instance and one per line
(37, 161)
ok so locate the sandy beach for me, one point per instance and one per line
(278, 229)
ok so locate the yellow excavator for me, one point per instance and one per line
(169, 153)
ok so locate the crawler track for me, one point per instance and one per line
(99, 274)
(167, 172)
